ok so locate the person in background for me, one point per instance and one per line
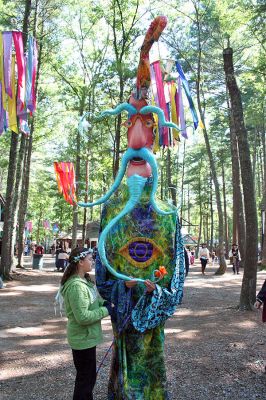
(234, 253)
(204, 256)
(62, 260)
(58, 249)
(94, 255)
(39, 249)
(186, 260)
(26, 249)
(84, 310)
(192, 257)
(53, 250)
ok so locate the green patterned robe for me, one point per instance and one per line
(139, 244)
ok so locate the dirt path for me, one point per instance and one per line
(213, 351)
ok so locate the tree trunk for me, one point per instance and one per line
(200, 210)
(169, 178)
(225, 214)
(84, 226)
(75, 207)
(248, 290)
(117, 145)
(11, 195)
(211, 212)
(18, 188)
(27, 160)
(239, 229)
(188, 208)
(254, 159)
(7, 251)
(22, 149)
(182, 182)
(263, 206)
(222, 268)
(118, 120)
(24, 197)
(39, 225)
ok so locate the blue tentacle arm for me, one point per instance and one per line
(161, 117)
(121, 107)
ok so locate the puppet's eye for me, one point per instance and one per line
(149, 123)
(140, 251)
(127, 123)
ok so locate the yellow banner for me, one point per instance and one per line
(12, 104)
(4, 96)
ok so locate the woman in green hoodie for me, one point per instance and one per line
(84, 310)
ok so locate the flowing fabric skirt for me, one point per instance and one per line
(138, 369)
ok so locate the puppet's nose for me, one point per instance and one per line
(136, 136)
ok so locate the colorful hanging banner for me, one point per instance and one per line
(28, 226)
(7, 47)
(65, 176)
(18, 42)
(55, 228)
(157, 75)
(12, 105)
(46, 224)
(167, 93)
(17, 81)
(188, 94)
(181, 110)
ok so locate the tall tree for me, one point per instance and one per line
(13, 180)
(248, 290)
(201, 107)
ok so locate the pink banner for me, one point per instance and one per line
(28, 226)
(46, 224)
(18, 41)
(161, 98)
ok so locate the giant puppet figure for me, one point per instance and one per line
(140, 264)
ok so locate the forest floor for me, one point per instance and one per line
(212, 350)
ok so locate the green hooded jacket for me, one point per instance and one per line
(84, 310)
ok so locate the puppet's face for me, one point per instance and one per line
(139, 135)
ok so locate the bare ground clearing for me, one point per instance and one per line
(212, 350)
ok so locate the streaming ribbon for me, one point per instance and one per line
(188, 94)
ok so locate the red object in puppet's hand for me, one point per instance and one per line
(161, 272)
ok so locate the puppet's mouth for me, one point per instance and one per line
(137, 160)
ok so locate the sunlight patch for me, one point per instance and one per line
(172, 330)
(37, 288)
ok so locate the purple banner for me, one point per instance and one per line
(7, 46)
